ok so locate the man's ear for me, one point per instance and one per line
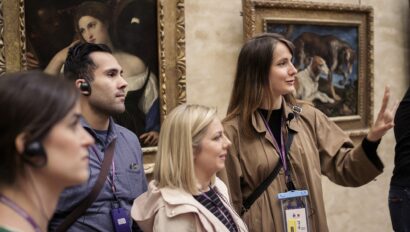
(84, 86)
(78, 82)
(20, 142)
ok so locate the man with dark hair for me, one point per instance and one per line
(98, 76)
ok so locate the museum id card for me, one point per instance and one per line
(294, 208)
(120, 220)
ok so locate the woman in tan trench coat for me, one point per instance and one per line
(261, 109)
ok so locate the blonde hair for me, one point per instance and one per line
(181, 134)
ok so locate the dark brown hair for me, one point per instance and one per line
(95, 9)
(251, 82)
(79, 64)
(32, 103)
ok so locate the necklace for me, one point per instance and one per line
(8, 202)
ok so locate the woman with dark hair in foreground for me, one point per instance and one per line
(43, 148)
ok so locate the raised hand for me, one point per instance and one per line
(57, 62)
(385, 118)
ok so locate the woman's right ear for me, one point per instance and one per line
(196, 150)
(20, 142)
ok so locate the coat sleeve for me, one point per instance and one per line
(232, 174)
(341, 161)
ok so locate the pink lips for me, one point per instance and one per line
(85, 158)
(120, 95)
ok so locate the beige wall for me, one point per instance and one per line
(213, 38)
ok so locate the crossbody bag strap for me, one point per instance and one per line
(90, 198)
(264, 185)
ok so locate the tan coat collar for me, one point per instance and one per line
(259, 125)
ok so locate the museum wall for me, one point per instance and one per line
(214, 35)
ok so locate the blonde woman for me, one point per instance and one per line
(185, 193)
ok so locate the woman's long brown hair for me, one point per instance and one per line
(251, 82)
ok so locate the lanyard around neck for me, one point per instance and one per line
(281, 149)
(283, 153)
(7, 201)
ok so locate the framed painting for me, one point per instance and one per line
(333, 54)
(150, 33)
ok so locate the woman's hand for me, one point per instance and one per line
(384, 120)
(56, 63)
(32, 61)
(150, 138)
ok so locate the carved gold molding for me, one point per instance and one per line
(171, 34)
(2, 56)
(22, 29)
(181, 68)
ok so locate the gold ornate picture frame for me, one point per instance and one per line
(340, 35)
(171, 48)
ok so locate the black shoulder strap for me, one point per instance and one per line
(90, 198)
(264, 185)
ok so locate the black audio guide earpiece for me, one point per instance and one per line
(34, 149)
(85, 88)
(34, 154)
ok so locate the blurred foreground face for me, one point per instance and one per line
(66, 147)
(213, 150)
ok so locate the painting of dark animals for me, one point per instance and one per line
(338, 54)
(344, 107)
(307, 81)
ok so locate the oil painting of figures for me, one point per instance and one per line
(127, 27)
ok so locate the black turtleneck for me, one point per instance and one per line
(274, 122)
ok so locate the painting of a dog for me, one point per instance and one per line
(336, 92)
(307, 81)
(338, 54)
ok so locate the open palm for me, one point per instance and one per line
(385, 118)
